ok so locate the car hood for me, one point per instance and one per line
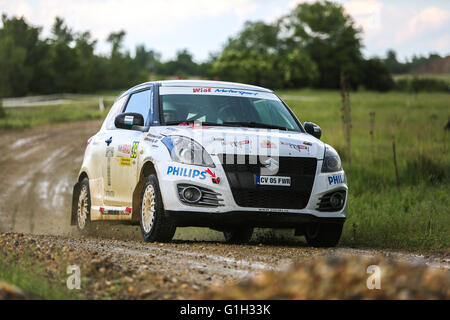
(241, 140)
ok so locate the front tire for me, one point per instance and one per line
(84, 208)
(241, 235)
(154, 225)
(323, 234)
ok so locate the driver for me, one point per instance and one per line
(226, 114)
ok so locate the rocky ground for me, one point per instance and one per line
(120, 269)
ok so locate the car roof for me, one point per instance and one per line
(198, 83)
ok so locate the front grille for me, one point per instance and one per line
(246, 193)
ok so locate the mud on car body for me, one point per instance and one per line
(222, 155)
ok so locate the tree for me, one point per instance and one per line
(329, 37)
(260, 55)
(116, 41)
(61, 32)
(375, 75)
(18, 54)
(63, 62)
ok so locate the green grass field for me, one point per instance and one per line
(27, 117)
(416, 215)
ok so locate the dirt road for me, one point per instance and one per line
(37, 172)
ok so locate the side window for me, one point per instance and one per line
(115, 110)
(140, 103)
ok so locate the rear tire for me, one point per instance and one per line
(84, 224)
(241, 235)
(323, 234)
(154, 225)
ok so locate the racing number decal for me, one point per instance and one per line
(134, 149)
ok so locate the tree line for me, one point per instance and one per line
(314, 45)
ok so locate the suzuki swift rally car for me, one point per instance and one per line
(222, 155)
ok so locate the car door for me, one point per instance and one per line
(125, 146)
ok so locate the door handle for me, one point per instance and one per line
(108, 141)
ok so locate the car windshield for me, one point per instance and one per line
(260, 110)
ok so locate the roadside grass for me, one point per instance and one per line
(27, 117)
(415, 215)
(29, 274)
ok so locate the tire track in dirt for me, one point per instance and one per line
(38, 171)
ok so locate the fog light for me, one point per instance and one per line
(191, 194)
(337, 200)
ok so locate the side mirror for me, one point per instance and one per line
(313, 129)
(129, 119)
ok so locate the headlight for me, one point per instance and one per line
(186, 150)
(331, 160)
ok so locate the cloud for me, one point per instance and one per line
(140, 16)
(366, 13)
(429, 19)
(413, 24)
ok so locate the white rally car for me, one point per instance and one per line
(222, 155)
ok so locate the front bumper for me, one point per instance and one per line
(229, 213)
(254, 219)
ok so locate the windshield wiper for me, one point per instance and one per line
(252, 124)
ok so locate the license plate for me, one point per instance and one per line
(273, 181)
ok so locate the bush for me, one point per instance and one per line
(425, 169)
(417, 84)
(2, 110)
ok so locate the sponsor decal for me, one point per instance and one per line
(124, 148)
(126, 162)
(194, 125)
(267, 144)
(236, 143)
(109, 154)
(115, 211)
(236, 92)
(201, 89)
(307, 143)
(272, 210)
(155, 136)
(214, 179)
(128, 120)
(298, 147)
(134, 150)
(185, 172)
(109, 193)
(336, 179)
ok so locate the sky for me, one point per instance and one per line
(203, 26)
